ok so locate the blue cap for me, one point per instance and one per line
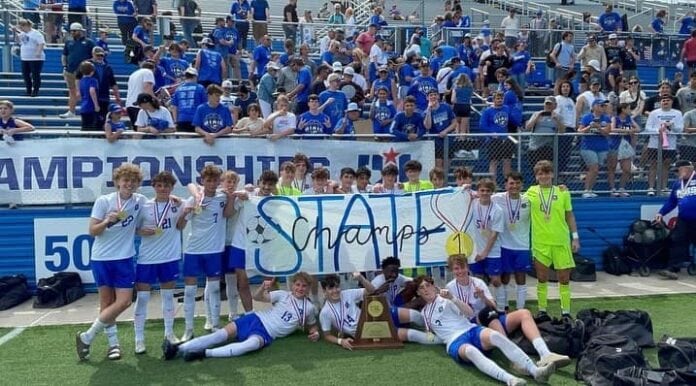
(116, 108)
(599, 102)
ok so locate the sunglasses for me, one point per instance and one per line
(633, 82)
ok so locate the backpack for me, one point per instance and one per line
(585, 269)
(58, 290)
(638, 376)
(604, 355)
(635, 324)
(562, 336)
(549, 61)
(14, 290)
(676, 353)
(614, 261)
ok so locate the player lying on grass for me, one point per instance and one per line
(473, 292)
(396, 287)
(445, 316)
(291, 311)
(340, 314)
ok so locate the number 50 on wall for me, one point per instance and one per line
(62, 244)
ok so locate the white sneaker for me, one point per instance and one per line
(624, 193)
(172, 339)
(516, 382)
(67, 114)
(557, 360)
(8, 139)
(588, 194)
(188, 335)
(544, 373)
(615, 193)
(140, 347)
(651, 192)
(208, 325)
(232, 317)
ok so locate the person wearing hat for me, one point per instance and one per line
(683, 235)
(114, 126)
(612, 50)
(665, 124)
(125, 18)
(345, 126)
(384, 80)
(75, 51)
(337, 17)
(210, 64)
(31, 53)
(610, 21)
(592, 51)
(266, 88)
(212, 119)
(333, 101)
(153, 118)
(421, 86)
(546, 121)
(378, 57)
(594, 147)
(313, 121)
(352, 90)
(186, 99)
(139, 82)
(104, 74)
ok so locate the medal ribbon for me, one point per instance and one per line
(301, 314)
(484, 219)
(434, 200)
(546, 204)
(120, 204)
(201, 190)
(337, 315)
(513, 214)
(686, 185)
(429, 310)
(463, 292)
(159, 219)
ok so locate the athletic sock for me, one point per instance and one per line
(111, 335)
(564, 290)
(206, 301)
(232, 293)
(189, 305)
(542, 295)
(214, 302)
(236, 349)
(540, 346)
(96, 327)
(205, 341)
(501, 297)
(416, 318)
(421, 337)
(521, 296)
(168, 310)
(485, 364)
(513, 352)
(140, 314)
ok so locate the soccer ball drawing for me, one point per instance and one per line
(259, 232)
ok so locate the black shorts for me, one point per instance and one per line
(185, 127)
(500, 148)
(651, 154)
(462, 110)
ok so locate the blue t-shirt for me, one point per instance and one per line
(687, 25)
(232, 35)
(595, 142)
(173, 68)
(625, 124)
(610, 21)
(404, 71)
(461, 70)
(658, 25)
(382, 111)
(142, 34)
(211, 119)
(243, 104)
(403, 125)
(448, 52)
(124, 11)
(119, 125)
(420, 87)
(240, 11)
(442, 118)
(262, 55)
(187, 98)
(495, 120)
(348, 128)
(313, 124)
(463, 95)
(86, 103)
(210, 68)
(327, 57)
(435, 63)
(386, 83)
(258, 8)
(520, 60)
(685, 199)
(334, 110)
(304, 77)
(77, 51)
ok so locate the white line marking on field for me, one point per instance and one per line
(687, 284)
(643, 287)
(25, 313)
(11, 335)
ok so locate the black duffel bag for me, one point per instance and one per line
(562, 336)
(635, 324)
(58, 290)
(676, 353)
(639, 376)
(14, 290)
(604, 355)
(585, 269)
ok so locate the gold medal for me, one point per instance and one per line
(430, 337)
(122, 215)
(459, 243)
(158, 231)
(198, 210)
(512, 226)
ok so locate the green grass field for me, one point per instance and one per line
(46, 356)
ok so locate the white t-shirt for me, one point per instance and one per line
(29, 49)
(136, 82)
(344, 315)
(656, 118)
(165, 247)
(565, 108)
(394, 289)
(487, 219)
(511, 25)
(284, 122)
(207, 232)
(589, 98)
(517, 221)
(287, 314)
(233, 226)
(117, 240)
(377, 55)
(445, 320)
(467, 294)
(162, 114)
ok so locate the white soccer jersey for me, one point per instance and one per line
(233, 224)
(487, 218)
(207, 232)
(287, 314)
(118, 240)
(394, 289)
(516, 214)
(444, 319)
(164, 247)
(467, 294)
(342, 316)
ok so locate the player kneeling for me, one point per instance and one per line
(291, 311)
(466, 342)
(341, 313)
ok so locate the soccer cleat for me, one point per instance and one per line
(169, 350)
(194, 355)
(188, 335)
(172, 339)
(542, 314)
(81, 347)
(140, 347)
(669, 275)
(114, 353)
(67, 114)
(557, 360)
(543, 373)
(514, 381)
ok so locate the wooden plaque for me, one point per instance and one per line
(375, 327)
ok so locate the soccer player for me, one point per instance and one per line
(340, 314)
(514, 241)
(552, 223)
(320, 183)
(291, 311)
(394, 284)
(463, 176)
(302, 167)
(390, 183)
(112, 224)
(362, 180)
(467, 342)
(158, 258)
(287, 178)
(347, 185)
(473, 292)
(206, 243)
(437, 177)
(413, 169)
